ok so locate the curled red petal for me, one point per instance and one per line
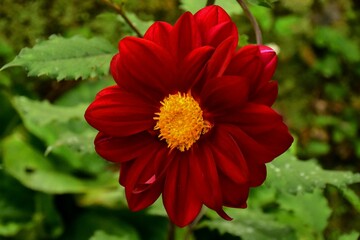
(141, 200)
(119, 113)
(269, 60)
(247, 63)
(180, 198)
(258, 63)
(143, 184)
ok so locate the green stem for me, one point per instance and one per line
(210, 2)
(194, 223)
(253, 21)
(121, 12)
(171, 231)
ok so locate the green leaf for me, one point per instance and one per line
(310, 208)
(64, 132)
(16, 204)
(102, 224)
(288, 174)
(101, 235)
(43, 113)
(63, 58)
(36, 172)
(350, 236)
(251, 225)
(56, 125)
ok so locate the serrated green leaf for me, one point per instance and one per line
(251, 225)
(288, 174)
(36, 172)
(62, 58)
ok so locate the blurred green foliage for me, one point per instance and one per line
(54, 186)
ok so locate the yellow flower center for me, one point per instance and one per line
(180, 121)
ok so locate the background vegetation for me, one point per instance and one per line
(53, 185)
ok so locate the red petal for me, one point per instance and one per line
(256, 115)
(228, 156)
(119, 113)
(193, 66)
(247, 63)
(144, 199)
(264, 126)
(269, 60)
(257, 63)
(221, 58)
(252, 150)
(258, 174)
(185, 36)
(144, 178)
(122, 149)
(234, 195)
(209, 18)
(205, 177)
(261, 148)
(221, 32)
(266, 95)
(144, 68)
(224, 93)
(180, 198)
(159, 33)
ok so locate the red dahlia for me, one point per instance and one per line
(190, 116)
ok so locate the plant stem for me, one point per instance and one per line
(194, 223)
(210, 2)
(171, 232)
(253, 21)
(121, 12)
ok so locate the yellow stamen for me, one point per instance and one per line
(180, 121)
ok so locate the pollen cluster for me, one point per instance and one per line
(180, 121)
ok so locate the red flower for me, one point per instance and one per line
(190, 117)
